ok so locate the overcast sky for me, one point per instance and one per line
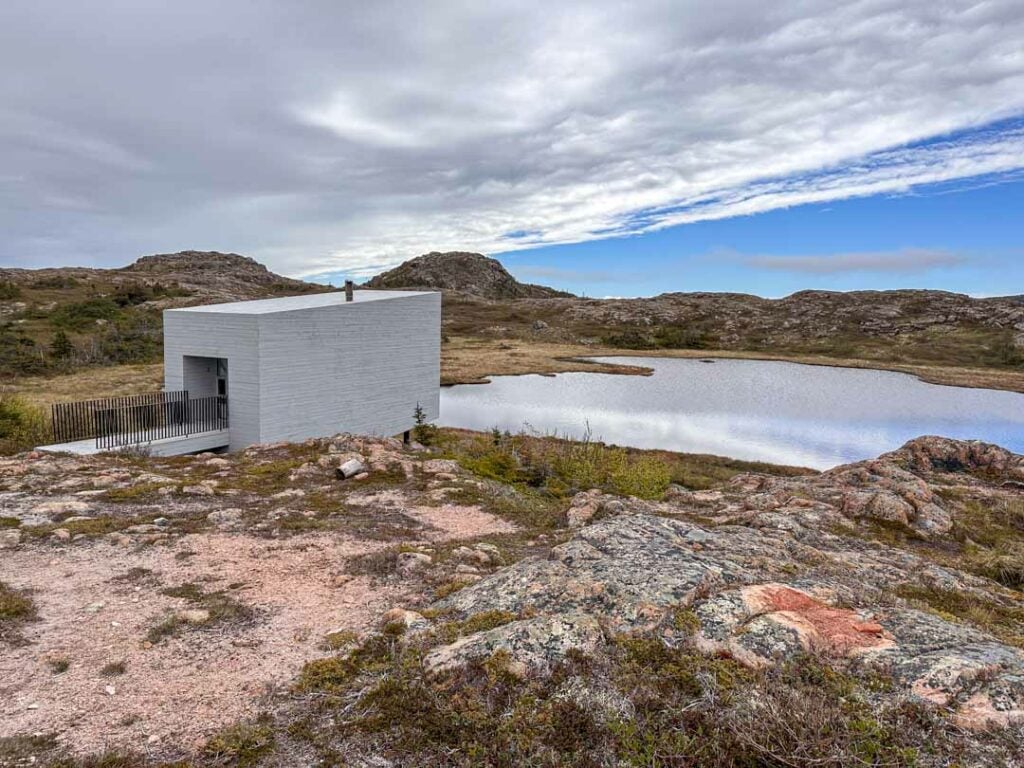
(342, 138)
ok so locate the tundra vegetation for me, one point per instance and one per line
(513, 599)
(506, 599)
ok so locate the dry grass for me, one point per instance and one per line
(16, 607)
(90, 383)
(472, 360)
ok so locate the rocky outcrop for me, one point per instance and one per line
(469, 273)
(215, 274)
(805, 316)
(805, 322)
(197, 276)
(769, 574)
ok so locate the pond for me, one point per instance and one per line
(805, 415)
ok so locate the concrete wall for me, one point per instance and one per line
(208, 441)
(188, 335)
(360, 367)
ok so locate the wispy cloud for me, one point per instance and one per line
(372, 133)
(908, 261)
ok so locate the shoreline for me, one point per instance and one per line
(542, 358)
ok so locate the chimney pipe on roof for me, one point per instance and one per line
(348, 290)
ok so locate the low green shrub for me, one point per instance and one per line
(563, 466)
(23, 425)
(79, 315)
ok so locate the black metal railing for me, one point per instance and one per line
(120, 421)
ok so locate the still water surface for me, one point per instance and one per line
(787, 413)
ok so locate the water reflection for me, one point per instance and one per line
(769, 411)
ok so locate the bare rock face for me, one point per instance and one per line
(469, 273)
(203, 277)
(532, 643)
(805, 316)
(227, 276)
(768, 580)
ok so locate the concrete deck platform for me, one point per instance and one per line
(171, 446)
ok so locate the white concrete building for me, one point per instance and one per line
(310, 366)
(271, 370)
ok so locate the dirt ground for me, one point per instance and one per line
(95, 611)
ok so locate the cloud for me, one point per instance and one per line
(345, 137)
(909, 261)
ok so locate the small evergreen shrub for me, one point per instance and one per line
(23, 425)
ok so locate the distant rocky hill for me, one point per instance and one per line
(203, 276)
(806, 315)
(469, 273)
(900, 325)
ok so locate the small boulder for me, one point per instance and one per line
(441, 466)
(306, 470)
(410, 562)
(583, 507)
(54, 508)
(61, 534)
(198, 490)
(406, 618)
(194, 616)
(476, 555)
(225, 518)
